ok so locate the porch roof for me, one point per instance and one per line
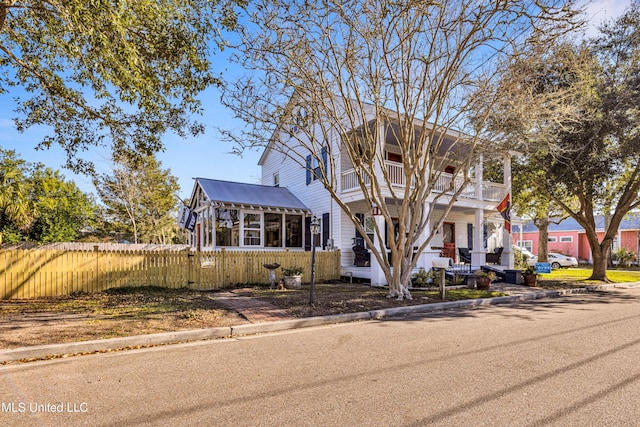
(240, 193)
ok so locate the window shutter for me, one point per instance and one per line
(308, 169)
(323, 152)
(325, 230)
(307, 233)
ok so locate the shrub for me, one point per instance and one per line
(293, 271)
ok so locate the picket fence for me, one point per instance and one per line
(34, 273)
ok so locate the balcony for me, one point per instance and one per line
(491, 191)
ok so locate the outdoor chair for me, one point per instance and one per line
(465, 255)
(362, 255)
(495, 256)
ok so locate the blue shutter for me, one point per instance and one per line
(323, 152)
(308, 169)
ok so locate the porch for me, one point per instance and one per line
(445, 183)
(503, 273)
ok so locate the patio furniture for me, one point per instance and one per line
(362, 254)
(495, 256)
(464, 255)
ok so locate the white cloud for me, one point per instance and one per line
(600, 11)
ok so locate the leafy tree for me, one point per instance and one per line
(117, 73)
(61, 208)
(594, 158)
(530, 202)
(15, 208)
(141, 197)
(38, 204)
(358, 66)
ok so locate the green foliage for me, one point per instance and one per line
(422, 278)
(624, 257)
(14, 191)
(61, 208)
(575, 109)
(38, 204)
(293, 271)
(118, 73)
(519, 260)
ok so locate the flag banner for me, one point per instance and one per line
(505, 211)
(183, 216)
(191, 222)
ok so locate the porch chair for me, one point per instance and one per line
(465, 255)
(362, 258)
(495, 256)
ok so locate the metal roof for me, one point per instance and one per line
(630, 222)
(239, 193)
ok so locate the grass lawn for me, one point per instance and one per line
(577, 277)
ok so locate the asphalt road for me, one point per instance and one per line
(571, 361)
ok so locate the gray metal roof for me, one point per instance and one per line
(240, 193)
(630, 222)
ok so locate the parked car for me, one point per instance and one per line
(524, 251)
(556, 260)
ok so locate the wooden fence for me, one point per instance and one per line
(38, 273)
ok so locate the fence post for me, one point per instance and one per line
(189, 255)
(97, 287)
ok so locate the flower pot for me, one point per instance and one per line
(292, 282)
(530, 279)
(483, 283)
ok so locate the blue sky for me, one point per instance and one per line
(204, 156)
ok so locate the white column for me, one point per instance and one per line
(377, 274)
(478, 254)
(428, 254)
(507, 253)
(479, 178)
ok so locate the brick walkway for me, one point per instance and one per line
(254, 310)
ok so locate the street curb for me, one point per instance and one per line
(45, 351)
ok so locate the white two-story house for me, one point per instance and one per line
(275, 215)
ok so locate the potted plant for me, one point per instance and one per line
(484, 279)
(292, 277)
(530, 276)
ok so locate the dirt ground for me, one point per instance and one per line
(136, 311)
(108, 315)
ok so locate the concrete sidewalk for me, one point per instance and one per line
(268, 318)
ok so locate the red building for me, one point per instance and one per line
(570, 239)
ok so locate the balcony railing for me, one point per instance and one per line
(445, 183)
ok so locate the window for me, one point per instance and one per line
(273, 230)
(527, 244)
(314, 171)
(394, 157)
(566, 238)
(227, 227)
(276, 179)
(251, 229)
(552, 239)
(293, 235)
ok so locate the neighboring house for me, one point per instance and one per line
(569, 238)
(277, 213)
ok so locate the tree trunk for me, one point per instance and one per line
(599, 263)
(399, 284)
(543, 238)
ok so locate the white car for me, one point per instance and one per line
(556, 260)
(524, 251)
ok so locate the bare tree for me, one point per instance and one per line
(416, 70)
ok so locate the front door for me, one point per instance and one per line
(449, 240)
